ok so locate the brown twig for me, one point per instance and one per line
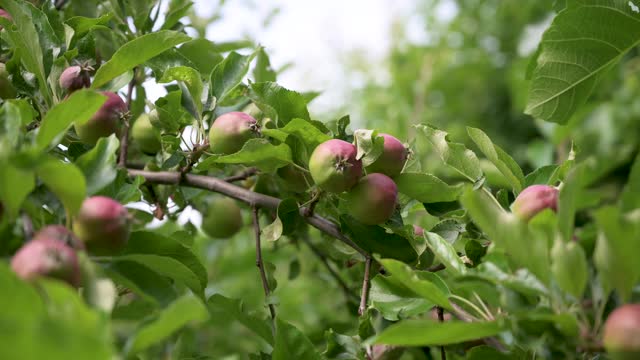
(365, 286)
(259, 263)
(124, 139)
(244, 195)
(243, 175)
(440, 311)
(323, 258)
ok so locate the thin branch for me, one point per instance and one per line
(243, 175)
(365, 287)
(244, 195)
(443, 353)
(124, 139)
(323, 258)
(259, 263)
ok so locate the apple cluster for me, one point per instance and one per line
(102, 227)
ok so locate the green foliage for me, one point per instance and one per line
(470, 279)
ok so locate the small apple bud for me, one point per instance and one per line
(534, 199)
(74, 78)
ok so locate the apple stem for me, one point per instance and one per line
(259, 262)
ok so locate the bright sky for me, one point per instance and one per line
(315, 36)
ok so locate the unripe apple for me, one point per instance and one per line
(229, 132)
(49, 258)
(104, 122)
(222, 218)
(7, 90)
(60, 233)
(145, 135)
(373, 200)
(334, 167)
(392, 159)
(295, 180)
(74, 78)
(534, 199)
(103, 224)
(621, 335)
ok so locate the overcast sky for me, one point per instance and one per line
(315, 36)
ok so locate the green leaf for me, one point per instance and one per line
(304, 130)
(426, 188)
(81, 25)
(142, 281)
(263, 71)
(428, 285)
(219, 304)
(52, 316)
(505, 163)
(229, 73)
(66, 181)
(431, 333)
(175, 13)
(484, 352)
(192, 80)
(630, 198)
(615, 255)
(291, 343)
(261, 154)
(136, 52)
(78, 108)
(99, 164)
(287, 216)
(171, 114)
(26, 42)
(541, 175)
(461, 159)
(527, 246)
(394, 301)
(342, 347)
(181, 312)
(376, 240)
(369, 145)
(579, 46)
(568, 198)
(569, 267)
(280, 104)
(15, 185)
(167, 257)
(203, 54)
(445, 253)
